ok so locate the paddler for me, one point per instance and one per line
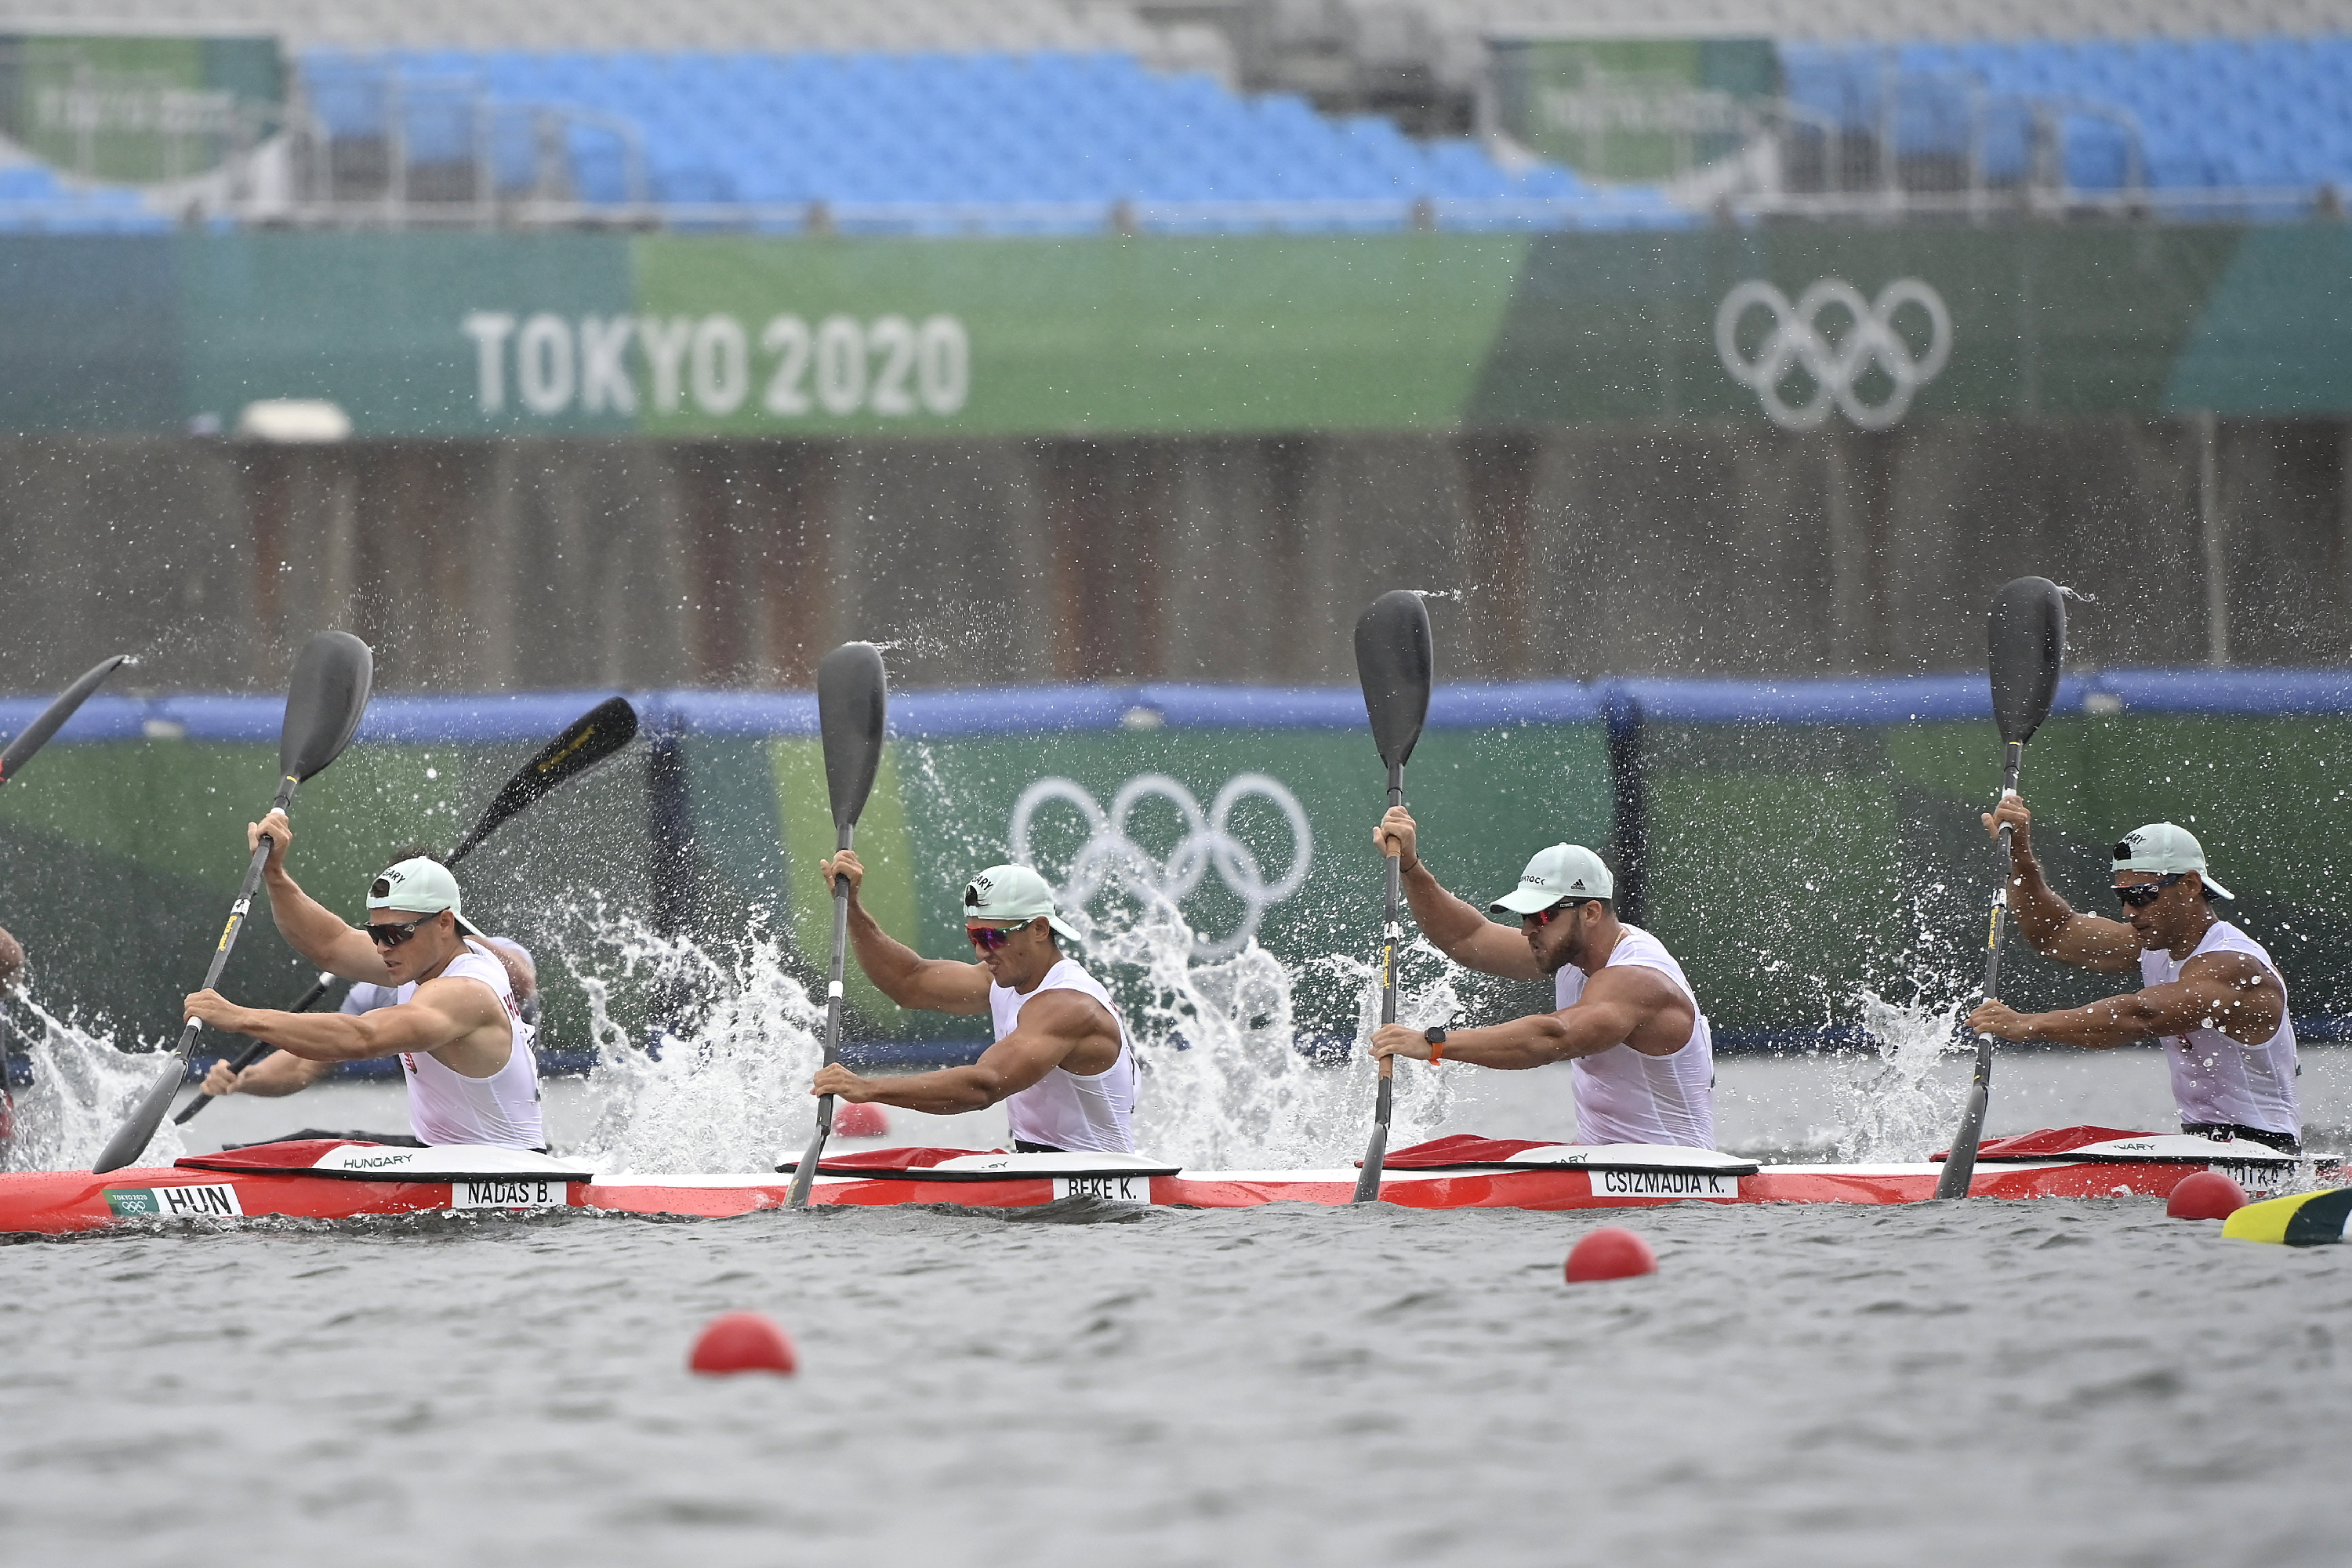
(2208, 991)
(1641, 1056)
(12, 964)
(1062, 1062)
(282, 1073)
(456, 1025)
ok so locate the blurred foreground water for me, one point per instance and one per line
(2050, 1382)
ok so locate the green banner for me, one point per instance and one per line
(1633, 109)
(131, 110)
(1806, 328)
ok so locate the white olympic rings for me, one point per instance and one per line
(1797, 342)
(1110, 858)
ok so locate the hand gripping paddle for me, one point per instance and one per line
(1393, 662)
(2025, 648)
(323, 707)
(586, 741)
(52, 717)
(852, 701)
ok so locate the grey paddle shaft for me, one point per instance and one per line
(1961, 1163)
(131, 1139)
(2025, 650)
(1368, 1182)
(852, 709)
(805, 1174)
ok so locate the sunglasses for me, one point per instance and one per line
(2141, 894)
(988, 938)
(390, 935)
(1542, 918)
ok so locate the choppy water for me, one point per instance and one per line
(2052, 1384)
(2058, 1383)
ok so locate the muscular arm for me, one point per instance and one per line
(312, 930)
(1052, 1027)
(2227, 990)
(442, 1012)
(1458, 930)
(898, 971)
(2047, 921)
(909, 979)
(1465, 935)
(1617, 1005)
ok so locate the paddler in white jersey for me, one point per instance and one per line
(1062, 1062)
(456, 1027)
(1640, 1052)
(2210, 992)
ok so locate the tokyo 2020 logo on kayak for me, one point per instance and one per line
(1836, 338)
(1111, 860)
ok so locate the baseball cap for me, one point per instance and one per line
(2166, 848)
(1013, 893)
(418, 886)
(1562, 871)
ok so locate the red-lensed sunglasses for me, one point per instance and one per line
(988, 938)
(1545, 917)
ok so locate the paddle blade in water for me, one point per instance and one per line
(50, 719)
(589, 740)
(2026, 641)
(851, 706)
(131, 1139)
(1392, 660)
(324, 703)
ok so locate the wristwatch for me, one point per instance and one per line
(1435, 1036)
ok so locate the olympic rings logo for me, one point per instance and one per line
(1109, 858)
(1796, 340)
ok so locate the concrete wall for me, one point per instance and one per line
(1680, 549)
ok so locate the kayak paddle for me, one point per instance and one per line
(323, 707)
(1393, 662)
(851, 700)
(36, 733)
(2025, 648)
(587, 740)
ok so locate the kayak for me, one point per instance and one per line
(336, 1179)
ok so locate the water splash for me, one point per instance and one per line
(83, 1088)
(1899, 1102)
(1223, 1080)
(726, 1088)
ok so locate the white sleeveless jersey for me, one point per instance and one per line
(2214, 1077)
(1067, 1110)
(446, 1106)
(1623, 1096)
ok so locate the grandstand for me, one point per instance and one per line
(941, 116)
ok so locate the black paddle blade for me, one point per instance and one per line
(852, 703)
(593, 737)
(53, 717)
(1393, 661)
(2025, 640)
(324, 703)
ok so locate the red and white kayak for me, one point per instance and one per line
(333, 1180)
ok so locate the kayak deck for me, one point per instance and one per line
(60, 1202)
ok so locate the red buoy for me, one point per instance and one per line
(2208, 1194)
(742, 1341)
(852, 1121)
(1611, 1252)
